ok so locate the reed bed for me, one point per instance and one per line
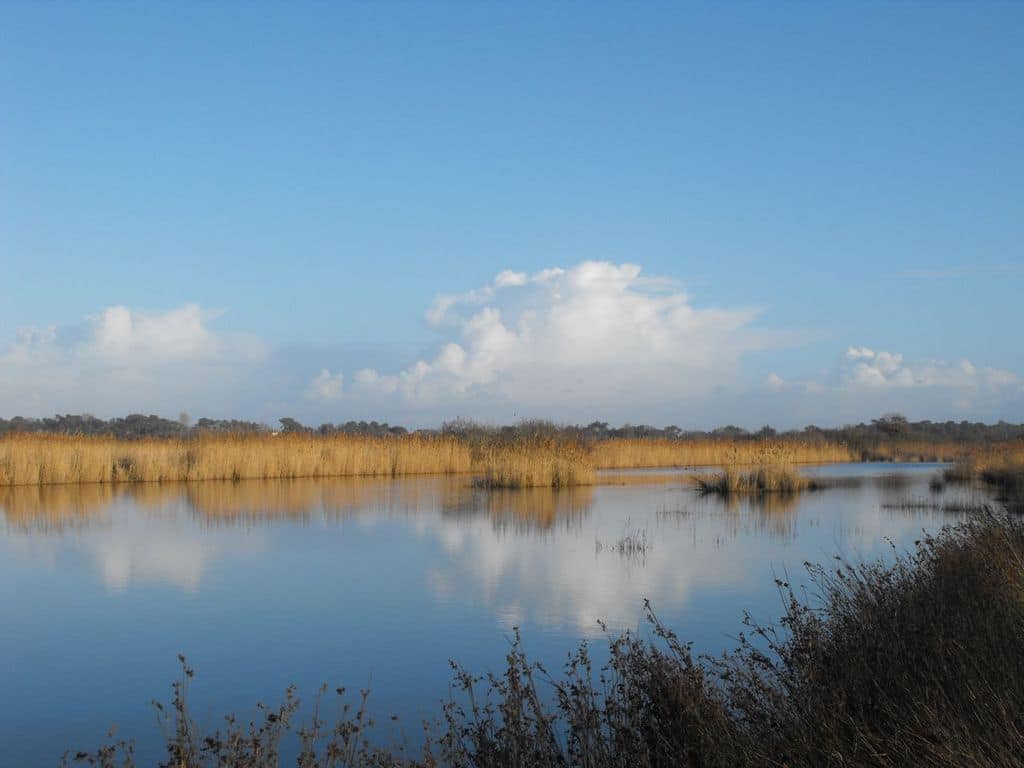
(45, 459)
(505, 463)
(767, 478)
(772, 471)
(635, 454)
(533, 462)
(1000, 467)
(500, 461)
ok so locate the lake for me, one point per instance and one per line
(378, 583)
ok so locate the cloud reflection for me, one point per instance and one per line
(522, 556)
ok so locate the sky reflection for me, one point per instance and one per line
(268, 583)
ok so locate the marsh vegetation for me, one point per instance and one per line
(506, 461)
(83, 449)
(1000, 469)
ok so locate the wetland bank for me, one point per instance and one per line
(377, 580)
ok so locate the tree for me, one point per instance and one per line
(288, 424)
(891, 423)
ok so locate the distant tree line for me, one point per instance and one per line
(888, 428)
(376, 428)
(137, 425)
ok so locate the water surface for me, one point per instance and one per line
(377, 583)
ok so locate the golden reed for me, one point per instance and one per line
(34, 459)
(633, 454)
(51, 459)
(43, 459)
(534, 462)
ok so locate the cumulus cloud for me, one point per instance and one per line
(865, 382)
(596, 340)
(134, 337)
(596, 335)
(124, 359)
(326, 386)
(865, 368)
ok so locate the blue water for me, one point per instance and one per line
(378, 583)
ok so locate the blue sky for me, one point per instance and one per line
(234, 208)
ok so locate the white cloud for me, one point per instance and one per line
(326, 386)
(125, 359)
(596, 340)
(867, 369)
(865, 382)
(597, 336)
(126, 336)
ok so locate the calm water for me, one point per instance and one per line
(378, 583)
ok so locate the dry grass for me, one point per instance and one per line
(55, 459)
(45, 459)
(1001, 467)
(767, 478)
(533, 462)
(509, 462)
(772, 471)
(633, 454)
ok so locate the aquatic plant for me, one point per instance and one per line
(1000, 468)
(633, 543)
(763, 479)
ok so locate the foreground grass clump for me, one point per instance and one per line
(915, 663)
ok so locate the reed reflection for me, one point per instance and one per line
(530, 509)
(773, 515)
(55, 508)
(306, 499)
